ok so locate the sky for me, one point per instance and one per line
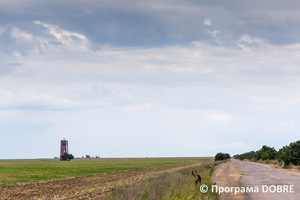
(148, 78)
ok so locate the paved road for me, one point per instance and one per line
(256, 175)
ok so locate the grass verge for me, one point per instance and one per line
(178, 185)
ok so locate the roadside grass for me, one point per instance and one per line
(177, 185)
(23, 171)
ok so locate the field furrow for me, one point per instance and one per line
(87, 187)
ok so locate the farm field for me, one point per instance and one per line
(22, 171)
(53, 178)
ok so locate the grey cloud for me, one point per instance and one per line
(254, 88)
(95, 47)
(5, 37)
(7, 69)
(155, 23)
(7, 42)
(10, 44)
(52, 42)
(35, 29)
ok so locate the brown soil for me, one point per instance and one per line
(226, 175)
(88, 187)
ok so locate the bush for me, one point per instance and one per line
(265, 156)
(247, 155)
(265, 153)
(222, 156)
(67, 156)
(290, 154)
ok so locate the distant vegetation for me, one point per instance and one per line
(288, 154)
(67, 156)
(222, 156)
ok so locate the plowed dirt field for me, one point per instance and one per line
(88, 187)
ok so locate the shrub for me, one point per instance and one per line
(265, 156)
(222, 156)
(247, 155)
(290, 154)
(265, 153)
(67, 156)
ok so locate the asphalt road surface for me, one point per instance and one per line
(268, 180)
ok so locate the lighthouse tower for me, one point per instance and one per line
(63, 147)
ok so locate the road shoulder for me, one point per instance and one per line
(295, 172)
(227, 175)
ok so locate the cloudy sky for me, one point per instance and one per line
(148, 78)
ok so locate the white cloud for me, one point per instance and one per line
(180, 69)
(201, 88)
(136, 108)
(248, 39)
(248, 43)
(219, 117)
(21, 35)
(213, 33)
(207, 22)
(239, 147)
(293, 46)
(25, 43)
(275, 100)
(29, 100)
(2, 29)
(69, 39)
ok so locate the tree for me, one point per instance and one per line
(222, 156)
(265, 156)
(265, 153)
(227, 155)
(284, 154)
(295, 152)
(247, 155)
(67, 156)
(290, 154)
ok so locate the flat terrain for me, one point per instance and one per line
(247, 174)
(24, 171)
(121, 173)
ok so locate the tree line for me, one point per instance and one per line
(289, 154)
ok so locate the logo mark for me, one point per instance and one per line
(203, 188)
